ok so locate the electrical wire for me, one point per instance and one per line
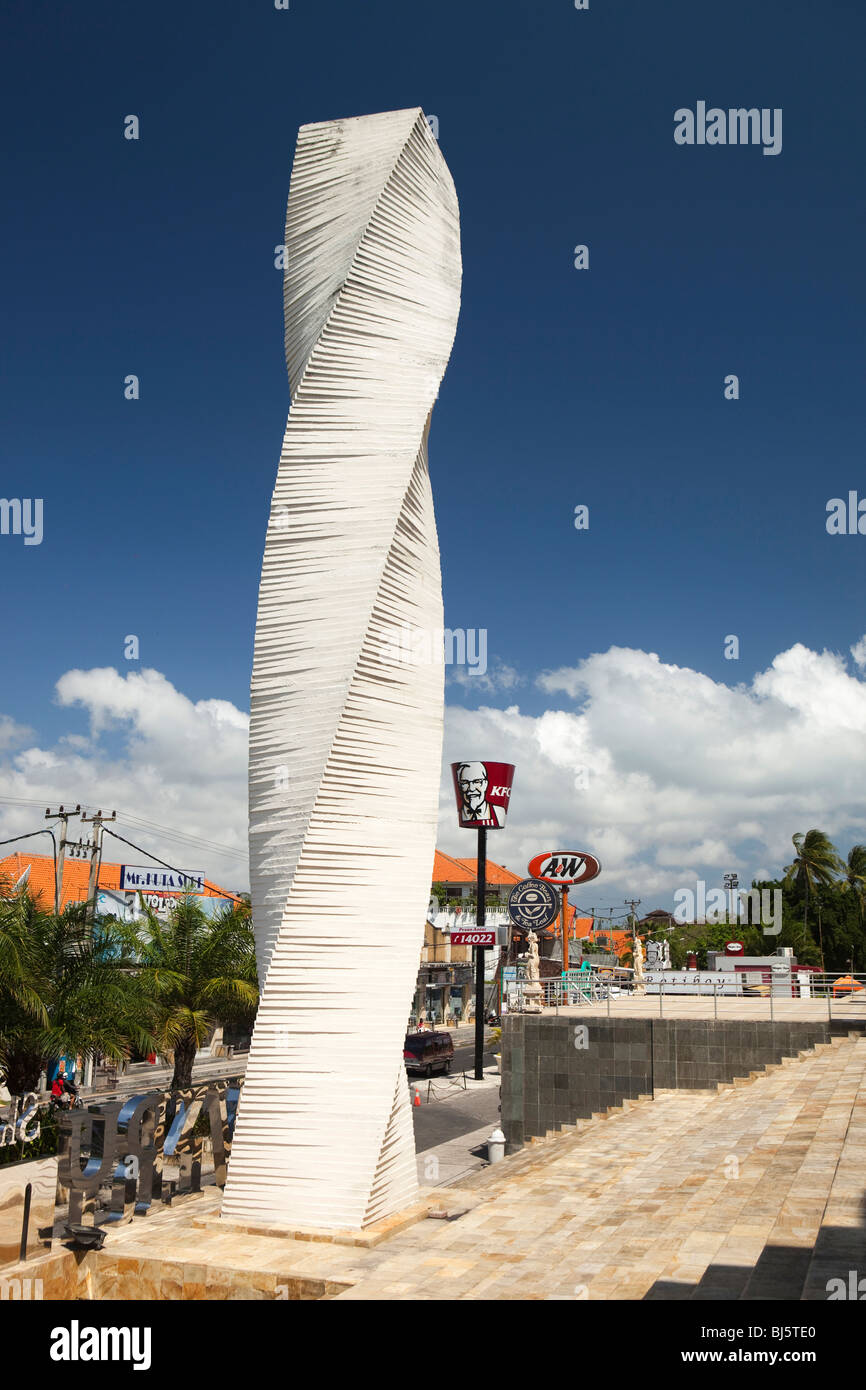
(29, 836)
(166, 830)
(174, 869)
(197, 841)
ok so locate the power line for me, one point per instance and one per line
(169, 831)
(175, 870)
(184, 834)
(29, 836)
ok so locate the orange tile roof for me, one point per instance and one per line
(496, 873)
(76, 875)
(448, 870)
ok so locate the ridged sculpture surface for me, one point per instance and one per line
(345, 739)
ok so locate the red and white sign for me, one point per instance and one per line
(473, 938)
(483, 791)
(733, 948)
(564, 866)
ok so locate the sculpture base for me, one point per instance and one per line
(187, 1253)
(533, 999)
(365, 1238)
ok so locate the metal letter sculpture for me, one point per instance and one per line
(145, 1148)
(345, 735)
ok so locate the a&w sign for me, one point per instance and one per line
(564, 866)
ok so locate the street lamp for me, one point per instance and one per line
(732, 882)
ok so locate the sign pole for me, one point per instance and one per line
(480, 917)
(565, 930)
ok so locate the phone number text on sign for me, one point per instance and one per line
(473, 938)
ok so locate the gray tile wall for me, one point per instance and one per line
(550, 1079)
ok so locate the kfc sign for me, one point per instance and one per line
(483, 792)
(564, 866)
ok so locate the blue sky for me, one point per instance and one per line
(602, 387)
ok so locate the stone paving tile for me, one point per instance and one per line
(583, 1201)
(638, 1205)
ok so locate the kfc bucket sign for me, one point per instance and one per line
(483, 792)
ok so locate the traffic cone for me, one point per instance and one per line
(416, 1096)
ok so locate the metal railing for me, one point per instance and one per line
(843, 993)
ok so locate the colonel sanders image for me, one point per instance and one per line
(475, 809)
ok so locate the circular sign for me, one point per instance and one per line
(565, 866)
(533, 905)
(733, 948)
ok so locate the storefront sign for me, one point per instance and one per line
(565, 866)
(483, 791)
(148, 877)
(473, 938)
(533, 904)
(692, 981)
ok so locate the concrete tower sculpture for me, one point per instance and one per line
(345, 740)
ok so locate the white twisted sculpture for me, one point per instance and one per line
(345, 740)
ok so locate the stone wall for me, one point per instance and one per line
(549, 1078)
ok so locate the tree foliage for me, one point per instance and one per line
(70, 987)
(65, 987)
(823, 912)
(196, 972)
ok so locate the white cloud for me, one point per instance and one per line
(668, 775)
(662, 772)
(153, 754)
(475, 681)
(12, 733)
(858, 651)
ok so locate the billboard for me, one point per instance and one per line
(483, 791)
(565, 866)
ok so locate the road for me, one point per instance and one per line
(450, 1112)
(455, 1112)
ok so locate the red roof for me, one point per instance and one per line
(76, 874)
(447, 869)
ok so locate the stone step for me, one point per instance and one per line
(690, 1196)
(782, 1192)
(799, 1178)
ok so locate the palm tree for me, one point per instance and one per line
(65, 987)
(197, 972)
(816, 862)
(855, 876)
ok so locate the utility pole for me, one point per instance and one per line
(64, 817)
(732, 883)
(95, 860)
(633, 903)
(97, 822)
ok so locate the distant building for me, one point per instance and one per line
(653, 921)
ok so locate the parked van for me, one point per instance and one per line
(428, 1052)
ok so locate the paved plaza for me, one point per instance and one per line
(756, 1190)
